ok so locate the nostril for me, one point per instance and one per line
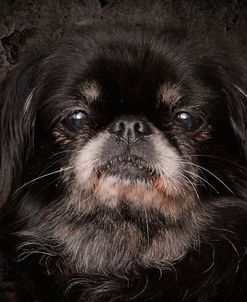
(138, 127)
(119, 127)
(142, 128)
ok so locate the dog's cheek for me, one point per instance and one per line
(177, 178)
(84, 163)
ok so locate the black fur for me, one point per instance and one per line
(201, 247)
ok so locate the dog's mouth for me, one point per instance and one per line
(129, 167)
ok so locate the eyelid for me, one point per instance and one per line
(75, 112)
(195, 112)
(63, 114)
(69, 111)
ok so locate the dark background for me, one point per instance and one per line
(26, 25)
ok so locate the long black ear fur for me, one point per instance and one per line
(229, 73)
(17, 119)
(235, 85)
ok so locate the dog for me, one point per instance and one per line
(123, 170)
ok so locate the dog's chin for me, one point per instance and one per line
(136, 183)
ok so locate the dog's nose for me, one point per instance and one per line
(130, 129)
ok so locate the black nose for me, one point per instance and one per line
(130, 129)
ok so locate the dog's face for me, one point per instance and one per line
(126, 141)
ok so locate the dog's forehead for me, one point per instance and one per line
(131, 80)
(134, 77)
(168, 93)
(148, 77)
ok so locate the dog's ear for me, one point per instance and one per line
(238, 113)
(17, 119)
(235, 85)
(230, 74)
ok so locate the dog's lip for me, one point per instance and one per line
(125, 161)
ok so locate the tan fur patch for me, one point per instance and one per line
(204, 135)
(60, 137)
(91, 90)
(110, 190)
(170, 93)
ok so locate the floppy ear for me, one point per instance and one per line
(232, 73)
(237, 106)
(238, 115)
(17, 118)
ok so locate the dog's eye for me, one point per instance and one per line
(75, 120)
(188, 121)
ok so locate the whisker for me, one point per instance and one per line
(20, 220)
(42, 176)
(211, 173)
(190, 182)
(204, 180)
(220, 158)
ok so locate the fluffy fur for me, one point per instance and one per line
(123, 171)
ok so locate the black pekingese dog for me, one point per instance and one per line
(123, 171)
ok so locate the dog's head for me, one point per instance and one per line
(117, 147)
